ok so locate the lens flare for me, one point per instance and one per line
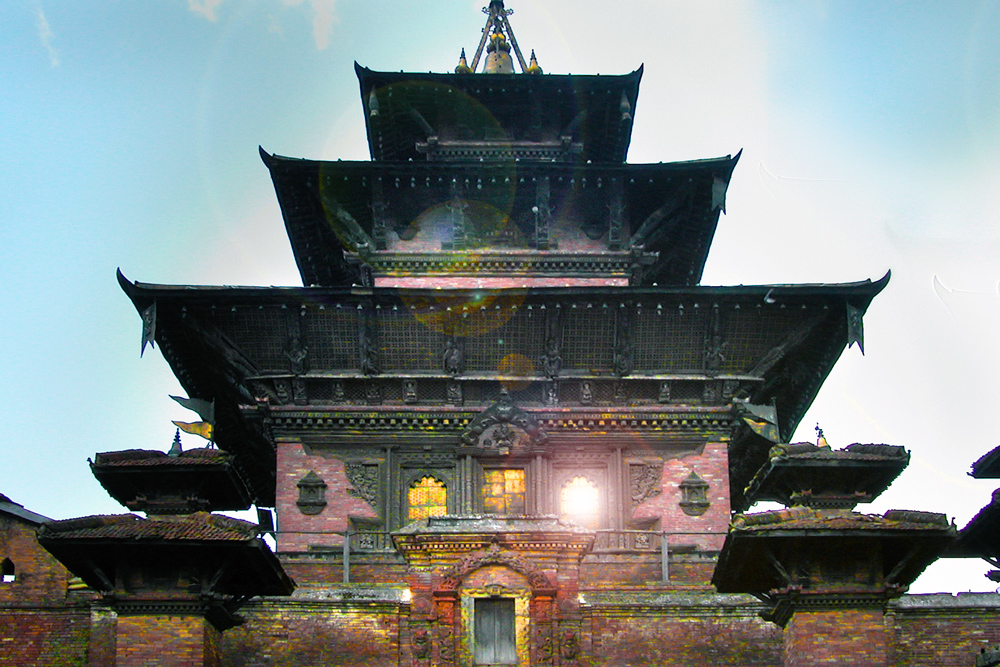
(515, 371)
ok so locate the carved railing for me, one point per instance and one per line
(612, 541)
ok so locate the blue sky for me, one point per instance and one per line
(129, 133)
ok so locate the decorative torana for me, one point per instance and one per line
(494, 555)
(503, 411)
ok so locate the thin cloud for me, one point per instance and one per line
(46, 36)
(324, 18)
(323, 21)
(205, 7)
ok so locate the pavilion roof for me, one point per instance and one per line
(907, 542)
(197, 527)
(96, 547)
(153, 481)
(988, 465)
(804, 473)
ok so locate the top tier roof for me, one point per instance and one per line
(548, 118)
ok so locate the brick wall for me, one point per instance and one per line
(40, 579)
(856, 637)
(658, 635)
(943, 630)
(166, 641)
(295, 527)
(313, 633)
(56, 637)
(712, 465)
(37, 625)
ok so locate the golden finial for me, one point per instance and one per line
(821, 439)
(463, 65)
(498, 60)
(533, 67)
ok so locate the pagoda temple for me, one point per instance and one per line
(502, 422)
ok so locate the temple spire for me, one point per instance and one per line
(497, 33)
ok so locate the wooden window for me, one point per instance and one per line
(428, 497)
(504, 491)
(7, 570)
(580, 502)
(494, 635)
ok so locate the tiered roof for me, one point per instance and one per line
(152, 481)
(807, 474)
(499, 219)
(907, 542)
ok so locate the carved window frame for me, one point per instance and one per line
(409, 476)
(409, 518)
(598, 473)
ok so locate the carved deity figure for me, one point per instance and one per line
(552, 360)
(586, 393)
(452, 357)
(715, 352)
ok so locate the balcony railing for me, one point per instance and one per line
(605, 542)
(371, 542)
(617, 541)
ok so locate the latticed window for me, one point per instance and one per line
(503, 491)
(428, 497)
(580, 502)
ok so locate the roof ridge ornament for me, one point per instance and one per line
(463, 65)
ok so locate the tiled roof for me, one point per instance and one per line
(149, 457)
(806, 518)
(988, 465)
(854, 452)
(8, 506)
(200, 526)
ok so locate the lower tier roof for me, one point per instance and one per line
(581, 349)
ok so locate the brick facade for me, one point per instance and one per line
(40, 622)
(299, 531)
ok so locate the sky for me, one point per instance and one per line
(129, 134)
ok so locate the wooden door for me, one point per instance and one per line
(493, 632)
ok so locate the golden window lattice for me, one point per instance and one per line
(428, 497)
(504, 491)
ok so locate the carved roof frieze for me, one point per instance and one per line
(453, 427)
(510, 262)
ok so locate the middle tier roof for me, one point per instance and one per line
(528, 223)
